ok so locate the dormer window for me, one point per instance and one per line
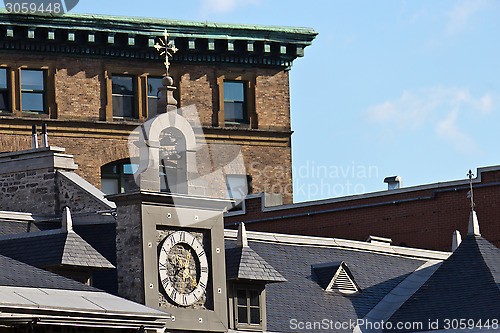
(248, 305)
(335, 276)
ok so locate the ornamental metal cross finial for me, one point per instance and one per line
(471, 193)
(165, 48)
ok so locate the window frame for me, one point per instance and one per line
(34, 91)
(120, 175)
(249, 80)
(259, 287)
(245, 119)
(13, 69)
(134, 95)
(8, 91)
(149, 113)
(140, 77)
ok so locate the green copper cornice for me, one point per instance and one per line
(133, 37)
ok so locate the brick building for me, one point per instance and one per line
(93, 79)
(422, 216)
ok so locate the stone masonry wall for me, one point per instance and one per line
(129, 263)
(30, 192)
(75, 198)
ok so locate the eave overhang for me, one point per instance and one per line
(126, 37)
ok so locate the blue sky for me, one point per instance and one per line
(407, 88)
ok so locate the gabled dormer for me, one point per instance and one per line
(247, 274)
(335, 276)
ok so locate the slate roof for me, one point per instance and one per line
(465, 286)
(28, 293)
(244, 263)
(324, 273)
(53, 247)
(302, 298)
(14, 273)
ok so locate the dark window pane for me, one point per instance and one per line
(234, 91)
(123, 85)
(152, 106)
(110, 186)
(3, 78)
(31, 80)
(254, 316)
(4, 100)
(108, 169)
(234, 111)
(153, 84)
(242, 315)
(124, 106)
(242, 297)
(254, 298)
(32, 101)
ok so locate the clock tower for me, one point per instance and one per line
(170, 232)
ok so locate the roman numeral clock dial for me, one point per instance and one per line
(183, 268)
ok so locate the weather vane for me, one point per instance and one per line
(471, 193)
(166, 48)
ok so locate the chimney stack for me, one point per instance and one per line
(45, 138)
(394, 182)
(34, 137)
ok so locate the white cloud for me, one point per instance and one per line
(426, 108)
(224, 6)
(448, 130)
(461, 14)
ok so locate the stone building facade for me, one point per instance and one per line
(78, 60)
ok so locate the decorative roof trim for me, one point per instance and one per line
(101, 36)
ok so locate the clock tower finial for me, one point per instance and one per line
(167, 101)
(167, 48)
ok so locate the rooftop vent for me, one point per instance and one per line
(335, 276)
(379, 240)
(394, 182)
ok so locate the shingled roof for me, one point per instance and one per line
(53, 248)
(244, 263)
(30, 295)
(377, 270)
(465, 286)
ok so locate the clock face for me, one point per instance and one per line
(183, 268)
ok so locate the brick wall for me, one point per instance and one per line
(421, 218)
(81, 98)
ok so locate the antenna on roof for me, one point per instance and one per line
(471, 193)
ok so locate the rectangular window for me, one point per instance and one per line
(235, 104)
(123, 92)
(4, 91)
(248, 307)
(153, 95)
(33, 90)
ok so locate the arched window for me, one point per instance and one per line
(118, 177)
